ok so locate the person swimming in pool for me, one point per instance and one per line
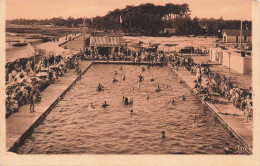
(126, 101)
(91, 107)
(163, 134)
(173, 101)
(105, 104)
(131, 101)
(114, 80)
(100, 87)
(158, 89)
(141, 78)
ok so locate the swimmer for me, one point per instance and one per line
(105, 104)
(131, 101)
(115, 72)
(158, 89)
(114, 80)
(99, 88)
(124, 78)
(163, 134)
(141, 78)
(173, 101)
(126, 101)
(90, 107)
(147, 97)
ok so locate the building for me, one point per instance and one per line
(240, 61)
(168, 31)
(233, 36)
(105, 45)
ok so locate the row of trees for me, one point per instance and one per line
(146, 19)
(149, 19)
(56, 21)
(212, 27)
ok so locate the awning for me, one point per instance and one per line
(104, 41)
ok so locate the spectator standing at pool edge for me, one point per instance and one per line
(31, 99)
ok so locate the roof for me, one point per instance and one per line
(234, 32)
(104, 41)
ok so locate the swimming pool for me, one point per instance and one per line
(79, 125)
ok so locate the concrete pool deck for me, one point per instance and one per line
(18, 123)
(229, 115)
(17, 127)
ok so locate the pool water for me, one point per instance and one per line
(80, 125)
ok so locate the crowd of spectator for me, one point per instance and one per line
(225, 86)
(24, 81)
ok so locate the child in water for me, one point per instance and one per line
(105, 104)
(163, 134)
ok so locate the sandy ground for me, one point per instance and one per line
(76, 44)
(181, 41)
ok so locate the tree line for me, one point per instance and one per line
(148, 19)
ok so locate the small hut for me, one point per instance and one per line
(105, 45)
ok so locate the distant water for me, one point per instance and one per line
(14, 53)
(76, 127)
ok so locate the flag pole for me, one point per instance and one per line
(34, 59)
(84, 43)
(120, 20)
(241, 34)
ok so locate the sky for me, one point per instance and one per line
(41, 9)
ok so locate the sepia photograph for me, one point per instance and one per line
(134, 78)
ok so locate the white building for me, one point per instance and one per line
(232, 59)
(233, 36)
